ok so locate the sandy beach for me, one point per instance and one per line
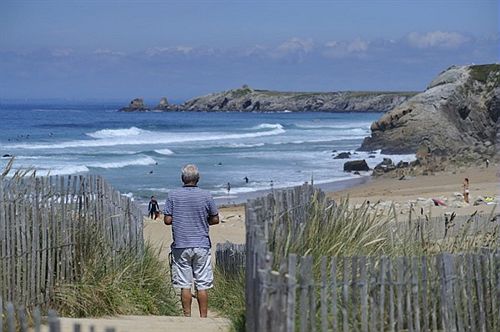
(420, 190)
(381, 192)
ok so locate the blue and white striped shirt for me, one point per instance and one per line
(190, 208)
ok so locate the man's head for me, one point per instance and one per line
(190, 174)
(152, 197)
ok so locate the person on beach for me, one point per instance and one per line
(246, 179)
(466, 190)
(190, 211)
(153, 208)
(228, 188)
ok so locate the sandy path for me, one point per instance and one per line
(232, 228)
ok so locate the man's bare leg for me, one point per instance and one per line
(202, 297)
(186, 299)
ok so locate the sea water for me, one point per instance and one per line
(141, 154)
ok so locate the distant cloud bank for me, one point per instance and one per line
(181, 71)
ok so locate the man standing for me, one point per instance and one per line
(191, 210)
(153, 208)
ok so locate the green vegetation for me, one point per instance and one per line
(481, 73)
(228, 297)
(346, 231)
(342, 230)
(127, 285)
(238, 93)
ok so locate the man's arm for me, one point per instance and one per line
(213, 220)
(168, 220)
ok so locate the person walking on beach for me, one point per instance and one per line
(153, 208)
(190, 211)
(466, 190)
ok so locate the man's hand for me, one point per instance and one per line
(213, 220)
(167, 220)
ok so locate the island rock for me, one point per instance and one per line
(136, 105)
(246, 99)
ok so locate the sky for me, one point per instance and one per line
(119, 50)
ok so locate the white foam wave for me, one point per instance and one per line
(143, 161)
(146, 137)
(242, 145)
(110, 133)
(62, 170)
(268, 126)
(166, 152)
(357, 125)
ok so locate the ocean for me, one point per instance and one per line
(141, 154)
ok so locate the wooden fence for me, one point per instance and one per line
(230, 258)
(16, 319)
(49, 224)
(430, 293)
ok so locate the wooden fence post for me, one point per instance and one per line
(291, 296)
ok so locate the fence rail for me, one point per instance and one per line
(286, 292)
(16, 319)
(48, 224)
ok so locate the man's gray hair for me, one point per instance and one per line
(190, 173)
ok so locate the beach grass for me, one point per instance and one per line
(343, 230)
(228, 297)
(127, 285)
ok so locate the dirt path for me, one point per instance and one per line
(231, 229)
(146, 323)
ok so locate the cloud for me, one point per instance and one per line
(61, 52)
(436, 39)
(340, 49)
(158, 51)
(295, 48)
(107, 51)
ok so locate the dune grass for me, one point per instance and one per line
(228, 297)
(342, 230)
(125, 285)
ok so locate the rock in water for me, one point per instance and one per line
(356, 165)
(164, 105)
(135, 105)
(343, 155)
(455, 117)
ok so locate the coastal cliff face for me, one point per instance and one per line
(246, 99)
(455, 117)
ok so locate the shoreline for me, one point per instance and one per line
(242, 198)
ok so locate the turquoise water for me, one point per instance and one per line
(141, 154)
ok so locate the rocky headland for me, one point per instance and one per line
(246, 99)
(453, 122)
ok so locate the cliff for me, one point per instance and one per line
(455, 118)
(246, 99)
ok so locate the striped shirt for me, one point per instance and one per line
(190, 208)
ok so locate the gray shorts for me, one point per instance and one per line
(192, 264)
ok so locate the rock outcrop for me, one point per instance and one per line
(343, 155)
(136, 105)
(163, 105)
(454, 119)
(246, 99)
(356, 165)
